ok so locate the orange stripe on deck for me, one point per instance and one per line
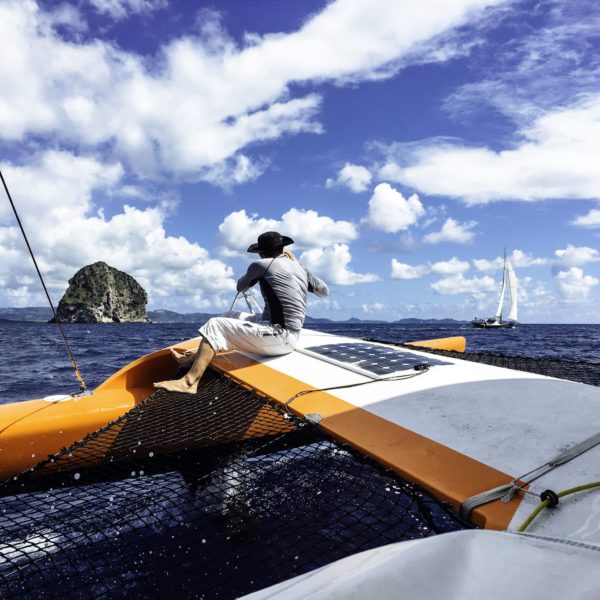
(447, 474)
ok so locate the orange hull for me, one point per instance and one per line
(33, 430)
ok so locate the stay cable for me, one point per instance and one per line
(82, 385)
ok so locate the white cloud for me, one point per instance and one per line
(453, 266)
(575, 256)
(452, 231)
(175, 272)
(459, 284)
(238, 231)
(354, 177)
(555, 157)
(389, 211)
(329, 305)
(375, 307)
(404, 271)
(332, 265)
(574, 286)
(119, 9)
(306, 227)
(521, 259)
(56, 184)
(590, 221)
(541, 67)
(203, 98)
(518, 258)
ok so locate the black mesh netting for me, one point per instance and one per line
(580, 371)
(213, 495)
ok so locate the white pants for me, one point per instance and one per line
(246, 332)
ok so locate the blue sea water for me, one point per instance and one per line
(34, 362)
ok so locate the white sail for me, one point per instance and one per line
(512, 288)
(509, 280)
(501, 302)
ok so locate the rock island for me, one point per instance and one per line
(99, 293)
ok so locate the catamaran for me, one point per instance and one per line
(509, 280)
(326, 473)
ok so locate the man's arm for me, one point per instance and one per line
(252, 275)
(316, 286)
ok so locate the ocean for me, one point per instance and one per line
(35, 363)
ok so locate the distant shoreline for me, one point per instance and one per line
(41, 314)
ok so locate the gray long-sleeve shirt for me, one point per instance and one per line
(284, 284)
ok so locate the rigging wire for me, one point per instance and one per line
(82, 385)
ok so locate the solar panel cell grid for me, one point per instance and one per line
(374, 359)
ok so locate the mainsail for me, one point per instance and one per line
(512, 288)
(509, 278)
(502, 293)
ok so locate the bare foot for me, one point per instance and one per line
(183, 359)
(178, 385)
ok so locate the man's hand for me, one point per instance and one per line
(289, 255)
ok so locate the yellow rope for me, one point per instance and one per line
(542, 505)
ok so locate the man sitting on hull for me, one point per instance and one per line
(284, 284)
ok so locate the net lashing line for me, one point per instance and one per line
(580, 371)
(212, 495)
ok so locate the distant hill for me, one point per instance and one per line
(424, 321)
(317, 320)
(29, 313)
(170, 316)
(43, 314)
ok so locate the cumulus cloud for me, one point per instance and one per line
(389, 211)
(450, 267)
(518, 258)
(354, 177)
(452, 231)
(459, 284)
(56, 184)
(375, 307)
(61, 187)
(403, 271)
(574, 285)
(575, 256)
(306, 227)
(446, 268)
(221, 97)
(591, 220)
(554, 158)
(332, 265)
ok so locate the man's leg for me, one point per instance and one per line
(188, 384)
(185, 359)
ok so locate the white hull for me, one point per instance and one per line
(507, 421)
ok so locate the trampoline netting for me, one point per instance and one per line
(212, 495)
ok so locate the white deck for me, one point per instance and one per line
(510, 420)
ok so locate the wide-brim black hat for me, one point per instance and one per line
(270, 240)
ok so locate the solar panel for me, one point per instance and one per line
(375, 359)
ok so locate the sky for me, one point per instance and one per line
(403, 146)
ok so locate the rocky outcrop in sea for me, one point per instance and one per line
(100, 293)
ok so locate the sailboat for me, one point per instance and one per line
(509, 280)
